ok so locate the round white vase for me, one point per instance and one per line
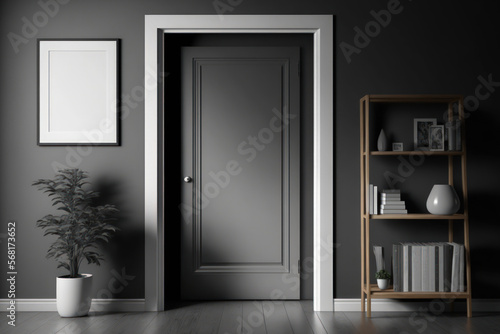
(443, 200)
(382, 283)
(382, 141)
(74, 295)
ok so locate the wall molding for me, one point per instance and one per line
(398, 305)
(98, 305)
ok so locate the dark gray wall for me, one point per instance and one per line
(429, 47)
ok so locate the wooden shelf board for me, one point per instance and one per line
(390, 293)
(423, 216)
(413, 98)
(426, 153)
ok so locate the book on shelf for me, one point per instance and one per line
(390, 199)
(432, 268)
(461, 278)
(384, 194)
(406, 267)
(396, 270)
(391, 191)
(367, 199)
(390, 196)
(416, 267)
(392, 206)
(375, 200)
(392, 202)
(428, 267)
(457, 268)
(384, 200)
(425, 269)
(447, 263)
(440, 248)
(390, 211)
(370, 197)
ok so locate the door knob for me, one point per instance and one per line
(188, 179)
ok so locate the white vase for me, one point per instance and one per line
(74, 295)
(382, 283)
(443, 200)
(382, 141)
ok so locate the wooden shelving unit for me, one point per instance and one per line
(370, 291)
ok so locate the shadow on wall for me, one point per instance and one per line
(127, 243)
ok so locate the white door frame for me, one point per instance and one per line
(321, 27)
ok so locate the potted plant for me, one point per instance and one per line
(383, 278)
(79, 229)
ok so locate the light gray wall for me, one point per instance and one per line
(429, 47)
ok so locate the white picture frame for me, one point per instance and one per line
(398, 147)
(436, 138)
(78, 92)
(421, 133)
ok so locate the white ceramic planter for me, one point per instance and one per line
(382, 283)
(74, 295)
(443, 200)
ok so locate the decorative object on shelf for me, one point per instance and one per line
(421, 132)
(383, 278)
(78, 92)
(382, 141)
(79, 231)
(436, 138)
(443, 200)
(450, 136)
(378, 251)
(397, 147)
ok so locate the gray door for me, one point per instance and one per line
(240, 157)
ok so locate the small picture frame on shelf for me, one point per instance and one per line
(436, 137)
(397, 147)
(421, 132)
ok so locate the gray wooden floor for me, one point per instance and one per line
(251, 317)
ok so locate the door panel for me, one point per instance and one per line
(240, 124)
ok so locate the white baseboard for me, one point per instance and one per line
(340, 304)
(398, 305)
(98, 305)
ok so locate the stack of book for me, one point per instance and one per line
(391, 203)
(435, 266)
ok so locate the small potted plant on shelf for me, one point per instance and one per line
(383, 278)
(79, 229)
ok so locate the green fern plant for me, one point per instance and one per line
(382, 274)
(81, 226)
